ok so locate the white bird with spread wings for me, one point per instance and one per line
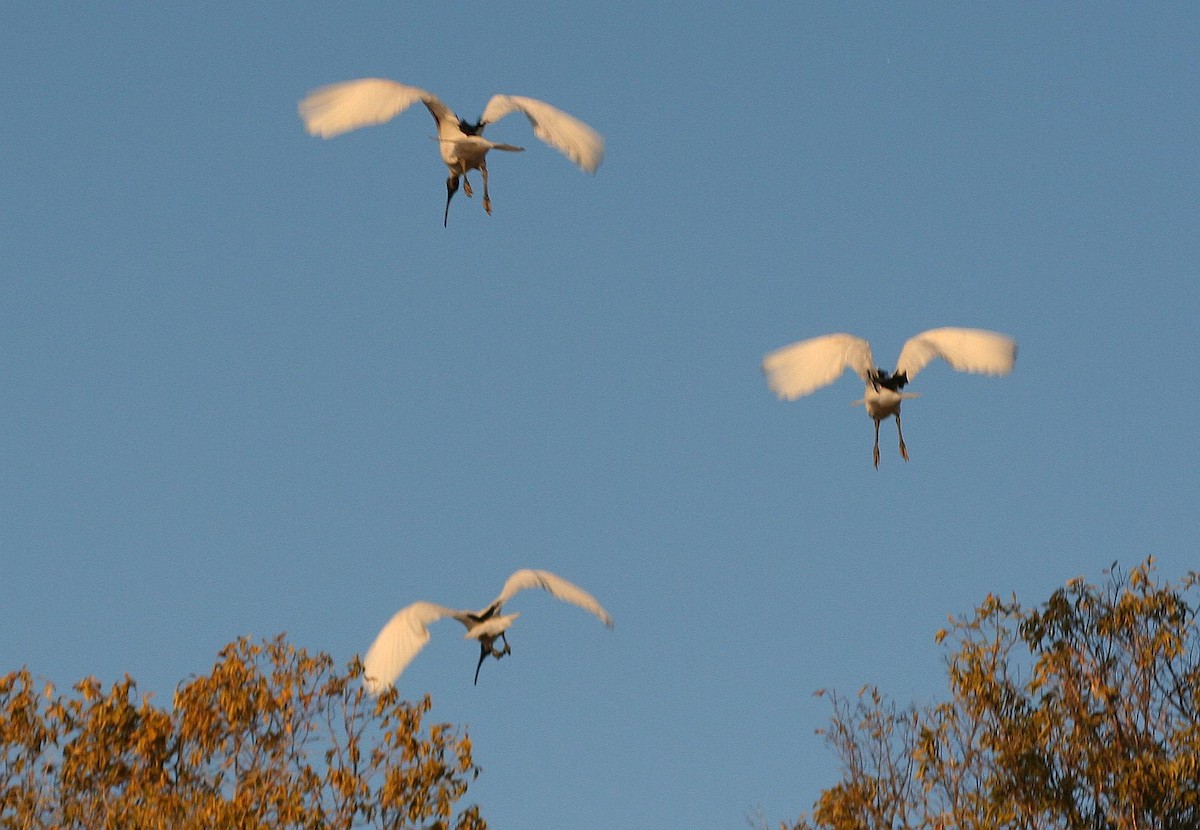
(802, 368)
(408, 631)
(339, 108)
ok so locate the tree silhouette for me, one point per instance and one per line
(1083, 713)
(271, 738)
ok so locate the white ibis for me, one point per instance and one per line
(407, 632)
(339, 108)
(804, 367)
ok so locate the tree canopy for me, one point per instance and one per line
(271, 738)
(1083, 712)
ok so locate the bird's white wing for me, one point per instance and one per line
(339, 108)
(967, 350)
(398, 643)
(565, 133)
(557, 586)
(801, 368)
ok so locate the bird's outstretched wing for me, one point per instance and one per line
(801, 368)
(339, 108)
(565, 133)
(967, 350)
(557, 586)
(398, 643)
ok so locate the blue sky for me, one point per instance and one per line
(250, 384)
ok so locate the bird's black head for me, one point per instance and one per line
(470, 129)
(894, 382)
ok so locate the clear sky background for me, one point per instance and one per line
(250, 384)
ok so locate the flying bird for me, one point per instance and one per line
(804, 367)
(339, 108)
(408, 631)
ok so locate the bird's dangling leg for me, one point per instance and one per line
(900, 432)
(876, 445)
(506, 650)
(487, 205)
(451, 189)
(467, 186)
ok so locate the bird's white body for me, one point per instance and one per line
(804, 367)
(882, 403)
(407, 632)
(339, 108)
(493, 627)
(461, 152)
